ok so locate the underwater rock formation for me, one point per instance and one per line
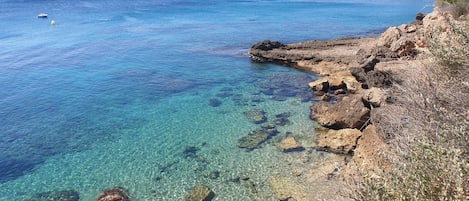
(256, 116)
(200, 193)
(255, 138)
(66, 195)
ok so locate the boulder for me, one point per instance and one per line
(256, 116)
(290, 144)
(267, 45)
(403, 46)
(66, 195)
(200, 193)
(319, 86)
(391, 35)
(114, 194)
(341, 141)
(348, 113)
(255, 138)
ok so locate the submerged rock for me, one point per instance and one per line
(290, 144)
(200, 193)
(285, 188)
(190, 151)
(256, 116)
(283, 115)
(214, 102)
(255, 138)
(281, 121)
(66, 195)
(114, 194)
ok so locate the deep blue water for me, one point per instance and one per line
(112, 72)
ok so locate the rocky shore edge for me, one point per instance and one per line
(355, 78)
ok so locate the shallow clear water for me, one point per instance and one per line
(115, 92)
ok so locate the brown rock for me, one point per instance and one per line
(341, 141)
(320, 85)
(348, 113)
(369, 158)
(391, 35)
(286, 188)
(200, 193)
(403, 46)
(114, 194)
(289, 144)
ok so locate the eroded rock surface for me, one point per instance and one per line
(348, 113)
(341, 141)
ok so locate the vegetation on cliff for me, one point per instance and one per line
(429, 121)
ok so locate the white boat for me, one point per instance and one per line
(42, 15)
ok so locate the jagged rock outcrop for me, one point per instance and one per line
(351, 112)
(341, 141)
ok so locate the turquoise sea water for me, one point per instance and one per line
(117, 91)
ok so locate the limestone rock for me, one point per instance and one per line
(375, 96)
(370, 157)
(286, 188)
(200, 193)
(289, 144)
(348, 113)
(114, 194)
(391, 35)
(341, 141)
(67, 195)
(403, 46)
(255, 138)
(319, 86)
(256, 116)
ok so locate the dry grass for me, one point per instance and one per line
(428, 125)
(428, 129)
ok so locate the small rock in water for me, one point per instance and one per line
(114, 194)
(190, 151)
(214, 102)
(290, 144)
(67, 195)
(283, 115)
(42, 15)
(255, 138)
(256, 116)
(200, 193)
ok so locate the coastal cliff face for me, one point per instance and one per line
(357, 95)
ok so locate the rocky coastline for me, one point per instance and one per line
(355, 77)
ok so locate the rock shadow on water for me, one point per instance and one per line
(285, 85)
(13, 168)
(214, 102)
